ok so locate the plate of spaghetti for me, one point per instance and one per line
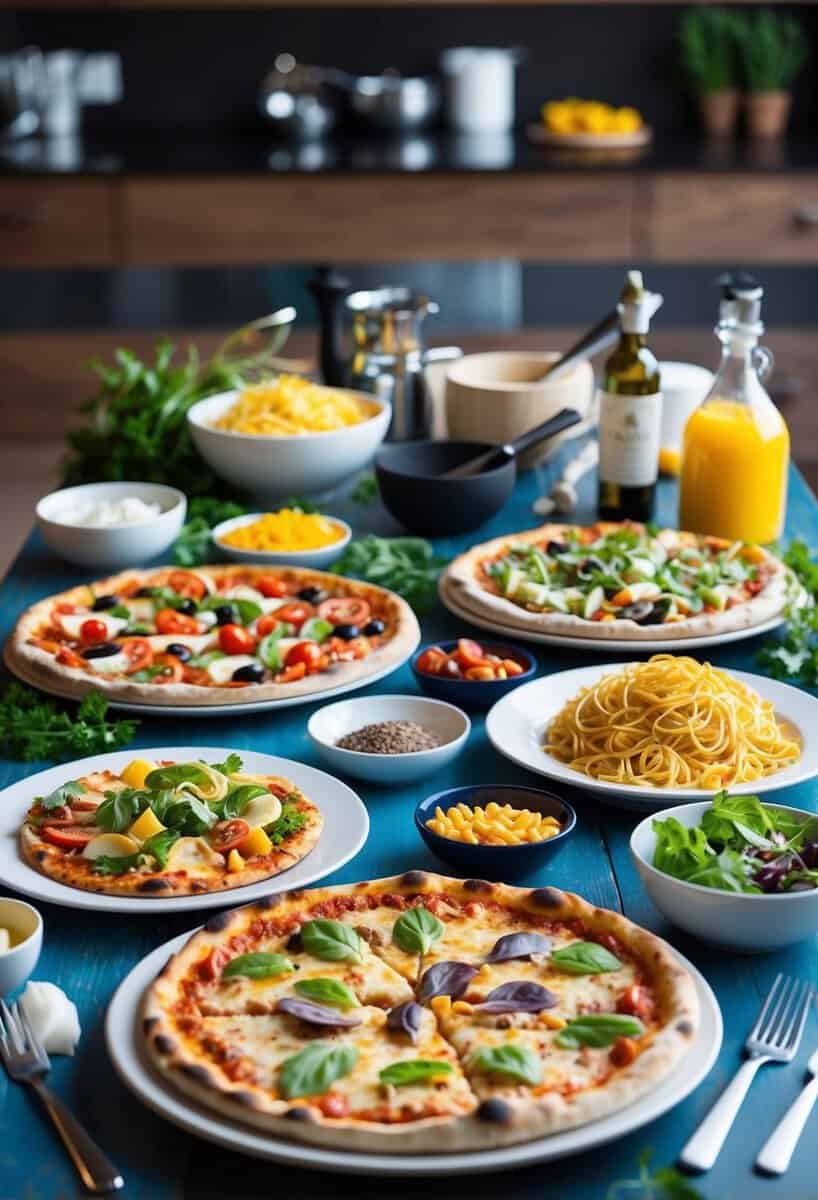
(666, 727)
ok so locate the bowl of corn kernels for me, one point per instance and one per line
(288, 537)
(494, 831)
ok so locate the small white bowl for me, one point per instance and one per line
(122, 546)
(747, 922)
(334, 721)
(275, 467)
(320, 557)
(26, 926)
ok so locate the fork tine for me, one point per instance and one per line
(779, 1020)
(34, 1044)
(765, 1008)
(13, 1035)
(796, 1028)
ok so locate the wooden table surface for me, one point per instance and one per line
(88, 954)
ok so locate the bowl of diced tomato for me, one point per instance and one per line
(472, 674)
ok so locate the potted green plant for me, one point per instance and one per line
(709, 39)
(773, 51)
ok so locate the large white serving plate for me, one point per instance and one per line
(124, 1042)
(220, 710)
(516, 727)
(346, 826)
(656, 645)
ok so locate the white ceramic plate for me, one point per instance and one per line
(221, 710)
(346, 826)
(599, 645)
(516, 727)
(589, 141)
(124, 1046)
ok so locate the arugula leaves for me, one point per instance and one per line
(290, 821)
(237, 800)
(61, 795)
(32, 727)
(405, 565)
(794, 655)
(120, 809)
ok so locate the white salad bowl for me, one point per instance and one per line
(317, 558)
(334, 721)
(116, 546)
(747, 922)
(25, 925)
(296, 464)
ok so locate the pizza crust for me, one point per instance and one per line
(39, 668)
(492, 1123)
(463, 581)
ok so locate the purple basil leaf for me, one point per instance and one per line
(316, 1014)
(519, 945)
(405, 1018)
(521, 996)
(446, 979)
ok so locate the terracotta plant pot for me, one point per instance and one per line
(768, 113)
(719, 111)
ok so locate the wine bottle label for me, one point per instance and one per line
(629, 428)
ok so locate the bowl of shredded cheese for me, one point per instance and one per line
(288, 435)
(287, 536)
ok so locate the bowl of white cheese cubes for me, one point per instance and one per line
(111, 525)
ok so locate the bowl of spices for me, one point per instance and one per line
(494, 830)
(474, 674)
(288, 536)
(388, 739)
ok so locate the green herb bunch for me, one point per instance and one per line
(773, 51)
(662, 1183)
(710, 39)
(795, 654)
(32, 727)
(406, 565)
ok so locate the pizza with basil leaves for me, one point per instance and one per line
(214, 635)
(419, 1013)
(169, 829)
(619, 580)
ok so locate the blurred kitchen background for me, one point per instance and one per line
(144, 191)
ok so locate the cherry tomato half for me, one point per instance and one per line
(295, 613)
(69, 837)
(431, 661)
(345, 610)
(212, 965)
(269, 585)
(469, 653)
(172, 669)
(92, 631)
(226, 835)
(185, 583)
(139, 652)
(266, 624)
(168, 620)
(235, 639)
(67, 657)
(307, 653)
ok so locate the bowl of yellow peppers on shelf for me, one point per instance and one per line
(591, 124)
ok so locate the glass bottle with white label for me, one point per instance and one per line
(630, 412)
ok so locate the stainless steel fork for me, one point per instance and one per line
(774, 1038)
(27, 1062)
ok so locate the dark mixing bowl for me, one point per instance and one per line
(411, 487)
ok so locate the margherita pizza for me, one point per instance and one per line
(419, 1013)
(619, 580)
(214, 635)
(169, 829)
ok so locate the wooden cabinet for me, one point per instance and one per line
(57, 223)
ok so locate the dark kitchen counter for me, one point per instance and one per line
(173, 152)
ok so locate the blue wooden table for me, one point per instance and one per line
(88, 954)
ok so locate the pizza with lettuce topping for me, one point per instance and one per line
(214, 635)
(620, 580)
(161, 829)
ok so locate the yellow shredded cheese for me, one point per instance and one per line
(287, 529)
(494, 825)
(290, 405)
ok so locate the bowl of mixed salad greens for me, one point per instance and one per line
(733, 871)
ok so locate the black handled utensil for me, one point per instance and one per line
(564, 419)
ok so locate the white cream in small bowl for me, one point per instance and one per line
(21, 939)
(112, 525)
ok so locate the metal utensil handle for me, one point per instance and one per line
(703, 1148)
(777, 1151)
(603, 334)
(564, 419)
(95, 1169)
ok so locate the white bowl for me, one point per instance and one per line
(123, 546)
(750, 923)
(26, 926)
(275, 467)
(333, 721)
(320, 557)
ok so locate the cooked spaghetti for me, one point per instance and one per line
(671, 722)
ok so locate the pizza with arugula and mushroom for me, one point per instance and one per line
(214, 635)
(419, 1013)
(619, 580)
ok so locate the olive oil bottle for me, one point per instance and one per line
(630, 412)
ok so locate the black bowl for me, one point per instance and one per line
(411, 488)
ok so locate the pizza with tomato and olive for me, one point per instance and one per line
(419, 1013)
(619, 580)
(169, 829)
(214, 635)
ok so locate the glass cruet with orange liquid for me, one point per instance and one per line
(736, 447)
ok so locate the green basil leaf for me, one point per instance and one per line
(328, 991)
(598, 1030)
(315, 1068)
(259, 965)
(172, 776)
(119, 610)
(108, 865)
(191, 816)
(268, 651)
(516, 1062)
(316, 629)
(147, 674)
(417, 930)
(414, 1070)
(160, 844)
(584, 958)
(244, 611)
(237, 800)
(204, 660)
(61, 795)
(332, 940)
(120, 809)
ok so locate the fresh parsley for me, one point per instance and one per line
(663, 1183)
(365, 491)
(794, 654)
(32, 727)
(290, 822)
(406, 565)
